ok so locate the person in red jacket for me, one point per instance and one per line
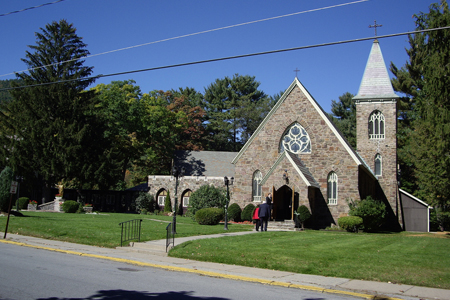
(256, 217)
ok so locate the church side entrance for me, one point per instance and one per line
(283, 198)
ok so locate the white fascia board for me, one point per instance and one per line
(414, 198)
(298, 170)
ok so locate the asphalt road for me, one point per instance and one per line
(27, 273)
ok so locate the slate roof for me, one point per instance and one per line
(303, 169)
(205, 163)
(375, 83)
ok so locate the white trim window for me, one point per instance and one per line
(186, 197)
(376, 126)
(378, 165)
(296, 140)
(332, 188)
(257, 187)
(162, 198)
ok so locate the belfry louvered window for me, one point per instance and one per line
(376, 125)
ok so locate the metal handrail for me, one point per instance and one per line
(170, 235)
(131, 230)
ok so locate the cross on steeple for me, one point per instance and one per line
(375, 26)
(296, 71)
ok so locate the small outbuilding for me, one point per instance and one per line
(416, 213)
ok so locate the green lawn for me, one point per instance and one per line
(103, 229)
(408, 258)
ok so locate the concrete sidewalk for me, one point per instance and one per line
(152, 254)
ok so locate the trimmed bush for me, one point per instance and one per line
(145, 203)
(303, 215)
(209, 216)
(372, 212)
(23, 202)
(234, 212)
(207, 196)
(70, 206)
(350, 223)
(247, 212)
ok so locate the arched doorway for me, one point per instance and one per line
(285, 202)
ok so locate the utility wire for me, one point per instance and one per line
(191, 34)
(231, 57)
(22, 10)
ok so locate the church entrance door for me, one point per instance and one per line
(283, 199)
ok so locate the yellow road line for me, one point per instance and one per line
(207, 273)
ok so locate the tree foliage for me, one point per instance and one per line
(344, 116)
(50, 129)
(6, 177)
(425, 81)
(235, 107)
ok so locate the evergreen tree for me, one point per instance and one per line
(344, 116)
(168, 203)
(234, 107)
(6, 176)
(53, 128)
(425, 80)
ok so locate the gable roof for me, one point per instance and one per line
(375, 83)
(296, 83)
(205, 163)
(298, 165)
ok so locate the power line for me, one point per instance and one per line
(231, 57)
(22, 10)
(191, 34)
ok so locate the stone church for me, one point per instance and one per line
(299, 156)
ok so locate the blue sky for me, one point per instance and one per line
(327, 72)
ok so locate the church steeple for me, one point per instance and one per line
(376, 124)
(375, 84)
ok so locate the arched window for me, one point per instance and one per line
(257, 188)
(378, 165)
(162, 197)
(332, 188)
(186, 197)
(376, 125)
(296, 140)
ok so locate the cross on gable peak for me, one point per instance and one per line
(296, 72)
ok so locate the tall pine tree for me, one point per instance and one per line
(425, 80)
(53, 130)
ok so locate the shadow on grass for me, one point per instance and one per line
(136, 295)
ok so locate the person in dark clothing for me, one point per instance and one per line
(264, 213)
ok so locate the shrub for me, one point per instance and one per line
(167, 203)
(371, 211)
(234, 212)
(247, 212)
(5, 186)
(206, 196)
(71, 206)
(209, 216)
(350, 223)
(146, 202)
(23, 202)
(303, 215)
